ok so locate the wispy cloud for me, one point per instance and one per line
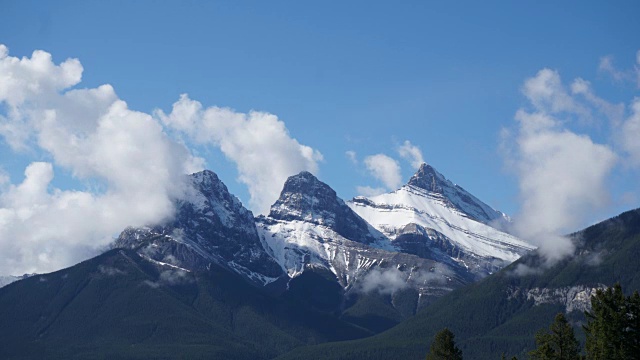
(384, 281)
(411, 153)
(352, 156)
(385, 169)
(607, 66)
(369, 191)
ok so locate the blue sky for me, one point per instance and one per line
(355, 76)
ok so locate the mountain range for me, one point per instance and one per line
(215, 281)
(429, 237)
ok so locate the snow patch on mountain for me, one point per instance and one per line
(454, 196)
(391, 212)
(299, 246)
(442, 210)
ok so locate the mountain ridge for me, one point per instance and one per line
(502, 312)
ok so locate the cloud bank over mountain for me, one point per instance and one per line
(131, 161)
(563, 173)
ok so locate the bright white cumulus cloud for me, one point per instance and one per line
(258, 143)
(386, 169)
(93, 135)
(562, 174)
(130, 163)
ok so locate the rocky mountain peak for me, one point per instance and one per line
(306, 183)
(454, 196)
(305, 198)
(428, 178)
(210, 226)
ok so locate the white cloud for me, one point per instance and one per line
(606, 66)
(629, 75)
(385, 169)
(34, 79)
(562, 174)
(170, 277)
(525, 270)
(351, 155)
(411, 153)
(384, 281)
(138, 167)
(258, 142)
(547, 94)
(614, 112)
(92, 134)
(369, 191)
(27, 78)
(630, 133)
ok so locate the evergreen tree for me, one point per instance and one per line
(605, 325)
(559, 343)
(444, 347)
(632, 333)
(613, 325)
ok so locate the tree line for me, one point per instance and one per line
(612, 333)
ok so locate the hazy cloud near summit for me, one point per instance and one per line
(411, 153)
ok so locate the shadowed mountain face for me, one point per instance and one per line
(120, 305)
(305, 198)
(503, 312)
(210, 226)
(310, 230)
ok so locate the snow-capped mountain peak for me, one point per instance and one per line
(305, 198)
(431, 213)
(429, 179)
(210, 226)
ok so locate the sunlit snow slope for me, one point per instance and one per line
(309, 227)
(430, 207)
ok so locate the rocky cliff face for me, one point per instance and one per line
(572, 298)
(210, 225)
(305, 198)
